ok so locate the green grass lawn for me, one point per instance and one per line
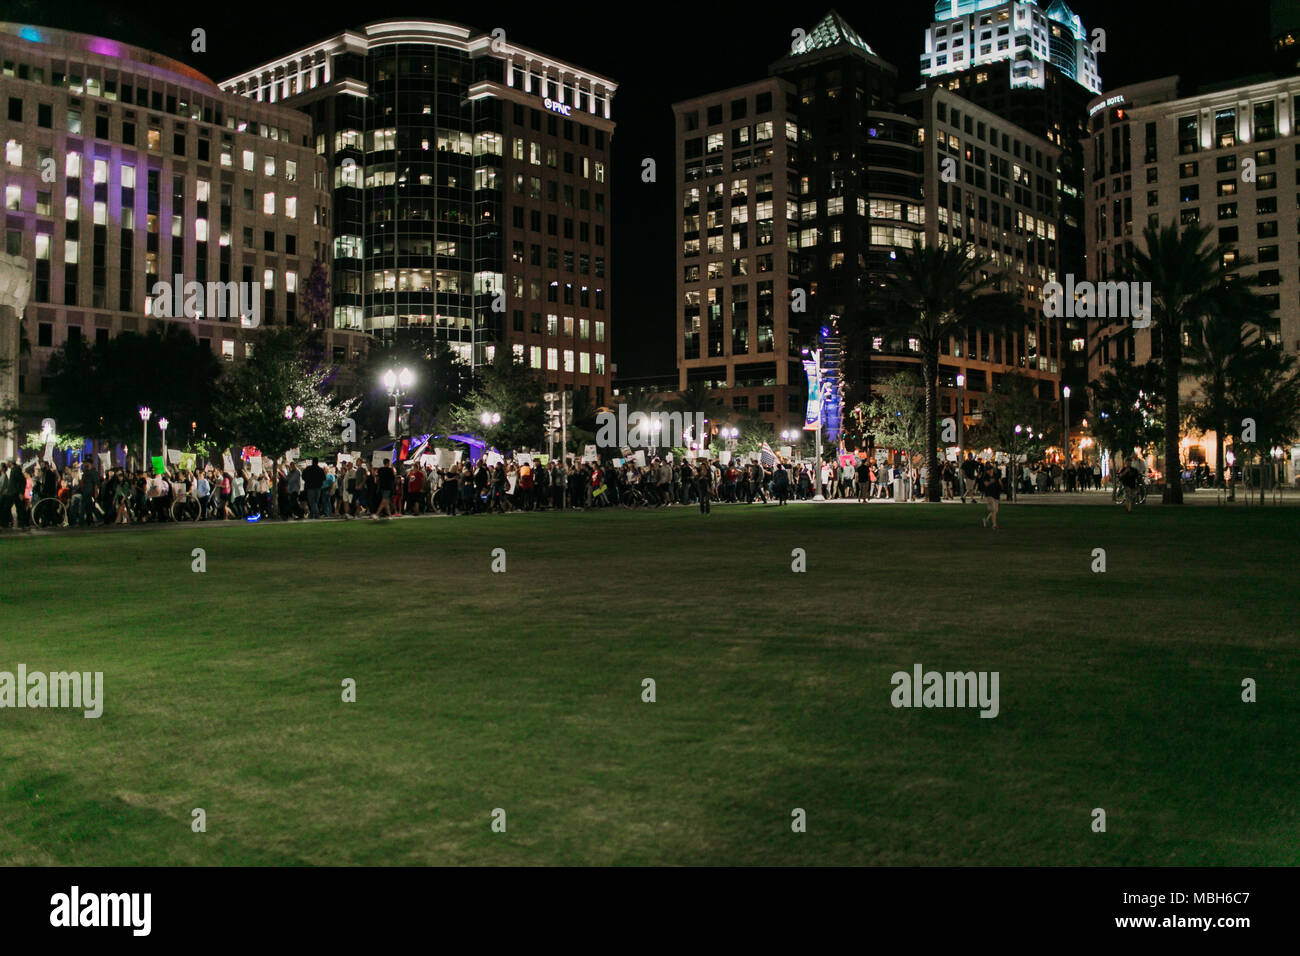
(522, 690)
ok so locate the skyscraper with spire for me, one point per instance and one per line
(1037, 67)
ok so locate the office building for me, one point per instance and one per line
(123, 169)
(471, 191)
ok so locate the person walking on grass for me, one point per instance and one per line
(990, 487)
(704, 487)
(385, 481)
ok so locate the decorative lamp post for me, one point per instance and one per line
(145, 413)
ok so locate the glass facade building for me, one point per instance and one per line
(471, 191)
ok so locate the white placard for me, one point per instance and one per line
(493, 459)
(255, 464)
(49, 452)
(639, 458)
(428, 461)
(705, 453)
(589, 454)
(524, 458)
(105, 461)
(724, 458)
(787, 451)
(228, 461)
(457, 455)
(293, 454)
(343, 459)
(511, 480)
(173, 456)
(669, 458)
(446, 457)
(380, 458)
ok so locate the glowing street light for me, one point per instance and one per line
(145, 413)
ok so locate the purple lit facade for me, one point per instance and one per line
(123, 168)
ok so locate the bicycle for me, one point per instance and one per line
(49, 513)
(1118, 496)
(185, 509)
(633, 498)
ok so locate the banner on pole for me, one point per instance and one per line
(813, 413)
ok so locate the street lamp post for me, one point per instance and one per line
(1015, 465)
(145, 413)
(397, 385)
(1065, 432)
(961, 429)
(162, 427)
(550, 426)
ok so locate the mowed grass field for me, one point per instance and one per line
(523, 690)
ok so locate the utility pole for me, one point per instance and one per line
(550, 425)
(564, 441)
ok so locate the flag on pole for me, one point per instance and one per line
(766, 457)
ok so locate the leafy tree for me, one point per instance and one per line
(1187, 276)
(509, 389)
(316, 301)
(441, 379)
(98, 389)
(697, 398)
(1227, 337)
(281, 374)
(1015, 420)
(1267, 391)
(937, 293)
(1128, 407)
(896, 415)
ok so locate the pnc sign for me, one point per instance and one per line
(555, 106)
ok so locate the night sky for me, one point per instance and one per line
(660, 53)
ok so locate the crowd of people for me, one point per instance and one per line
(292, 490)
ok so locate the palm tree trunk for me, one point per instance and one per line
(931, 423)
(1220, 430)
(1173, 357)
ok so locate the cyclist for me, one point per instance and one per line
(1128, 479)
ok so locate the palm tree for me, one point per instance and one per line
(934, 294)
(1187, 281)
(1223, 346)
(699, 398)
(1266, 389)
